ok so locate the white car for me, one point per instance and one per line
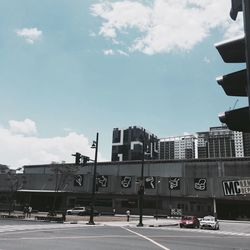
(76, 211)
(209, 222)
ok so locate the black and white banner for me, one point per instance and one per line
(174, 183)
(126, 181)
(150, 182)
(200, 184)
(102, 181)
(78, 180)
(236, 187)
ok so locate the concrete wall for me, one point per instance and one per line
(213, 172)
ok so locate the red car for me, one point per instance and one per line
(189, 221)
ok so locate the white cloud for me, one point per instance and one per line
(111, 52)
(164, 25)
(26, 127)
(121, 52)
(30, 35)
(108, 52)
(234, 29)
(18, 150)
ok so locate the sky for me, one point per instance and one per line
(72, 68)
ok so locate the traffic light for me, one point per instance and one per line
(77, 158)
(236, 6)
(80, 159)
(237, 83)
(85, 159)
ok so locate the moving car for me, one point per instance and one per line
(209, 222)
(189, 221)
(76, 211)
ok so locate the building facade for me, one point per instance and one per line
(178, 147)
(222, 142)
(218, 142)
(239, 144)
(246, 144)
(128, 144)
(173, 187)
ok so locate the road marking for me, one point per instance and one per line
(217, 232)
(198, 236)
(67, 237)
(34, 230)
(18, 228)
(146, 238)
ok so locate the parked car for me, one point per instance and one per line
(81, 211)
(76, 211)
(189, 221)
(209, 222)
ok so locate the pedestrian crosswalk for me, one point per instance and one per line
(24, 227)
(65, 226)
(221, 232)
(217, 232)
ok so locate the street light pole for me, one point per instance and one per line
(170, 198)
(91, 218)
(141, 188)
(157, 197)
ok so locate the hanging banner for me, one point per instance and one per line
(174, 183)
(78, 180)
(126, 181)
(150, 182)
(236, 187)
(200, 184)
(102, 181)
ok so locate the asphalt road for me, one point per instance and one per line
(53, 236)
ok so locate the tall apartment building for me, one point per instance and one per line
(218, 142)
(246, 144)
(242, 144)
(239, 145)
(127, 144)
(178, 147)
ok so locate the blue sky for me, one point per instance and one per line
(71, 68)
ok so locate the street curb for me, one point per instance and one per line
(169, 225)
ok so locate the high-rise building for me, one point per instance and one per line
(218, 142)
(127, 144)
(242, 144)
(178, 147)
(246, 144)
(239, 145)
